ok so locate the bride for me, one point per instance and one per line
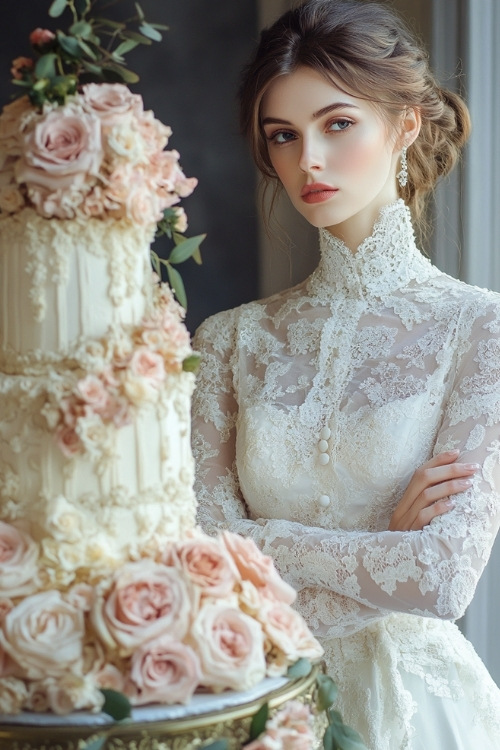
(350, 425)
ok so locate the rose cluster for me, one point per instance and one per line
(135, 371)
(210, 613)
(98, 155)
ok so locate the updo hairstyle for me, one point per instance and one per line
(367, 51)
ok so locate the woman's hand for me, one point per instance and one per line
(428, 493)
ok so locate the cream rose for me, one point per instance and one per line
(61, 150)
(258, 568)
(13, 695)
(64, 521)
(73, 692)
(149, 365)
(208, 565)
(11, 199)
(44, 634)
(230, 646)
(93, 392)
(146, 600)
(288, 631)
(111, 101)
(164, 671)
(18, 561)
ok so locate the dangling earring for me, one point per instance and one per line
(402, 175)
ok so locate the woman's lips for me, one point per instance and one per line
(317, 192)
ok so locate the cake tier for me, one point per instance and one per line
(63, 281)
(207, 718)
(114, 495)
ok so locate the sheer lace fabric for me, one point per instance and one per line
(312, 411)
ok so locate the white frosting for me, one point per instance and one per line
(61, 280)
(118, 501)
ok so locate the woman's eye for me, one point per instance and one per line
(281, 137)
(337, 125)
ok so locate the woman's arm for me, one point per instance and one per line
(431, 569)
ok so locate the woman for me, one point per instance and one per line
(316, 407)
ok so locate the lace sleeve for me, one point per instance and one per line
(215, 410)
(432, 572)
(345, 578)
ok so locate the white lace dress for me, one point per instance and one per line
(313, 409)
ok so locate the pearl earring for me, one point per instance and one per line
(402, 175)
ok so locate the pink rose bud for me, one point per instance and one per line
(39, 37)
(19, 65)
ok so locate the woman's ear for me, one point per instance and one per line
(410, 126)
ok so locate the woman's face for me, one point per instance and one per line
(333, 153)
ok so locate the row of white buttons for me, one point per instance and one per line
(324, 459)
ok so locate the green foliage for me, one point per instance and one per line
(92, 49)
(217, 745)
(258, 724)
(184, 248)
(116, 705)
(301, 668)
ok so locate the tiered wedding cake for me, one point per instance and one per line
(104, 580)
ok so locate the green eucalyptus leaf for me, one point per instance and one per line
(117, 25)
(155, 262)
(69, 44)
(115, 72)
(115, 705)
(191, 363)
(20, 82)
(124, 47)
(175, 281)
(301, 668)
(81, 28)
(96, 70)
(327, 692)
(185, 249)
(41, 84)
(46, 66)
(258, 724)
(139, 38)
(197, 257)
(96, 744)
(57, 8)
(87, 49)
(150, 32)
(140, 12)
(161, 26)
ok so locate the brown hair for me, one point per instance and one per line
(364, 48)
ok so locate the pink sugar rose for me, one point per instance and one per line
(146, 600)
(143, 205)
(153, 132)
(92, 391)
(110, 677)
(62, 149)
(230, 646)
(289, 729)
(43, 634)
(208, 565)
(149, 365)
(258, 568)
(288, 631)
(18, 562)
(39, 37)
(163, 670)
(68, 441)
(111, 101)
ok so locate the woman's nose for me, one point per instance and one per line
(311, 157)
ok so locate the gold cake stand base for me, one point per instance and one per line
(190, 733)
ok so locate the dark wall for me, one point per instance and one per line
(190, 81)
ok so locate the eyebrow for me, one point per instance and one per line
(323, 111)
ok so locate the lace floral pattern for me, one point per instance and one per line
(312, 411)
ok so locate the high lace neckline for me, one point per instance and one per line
(385, 261)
